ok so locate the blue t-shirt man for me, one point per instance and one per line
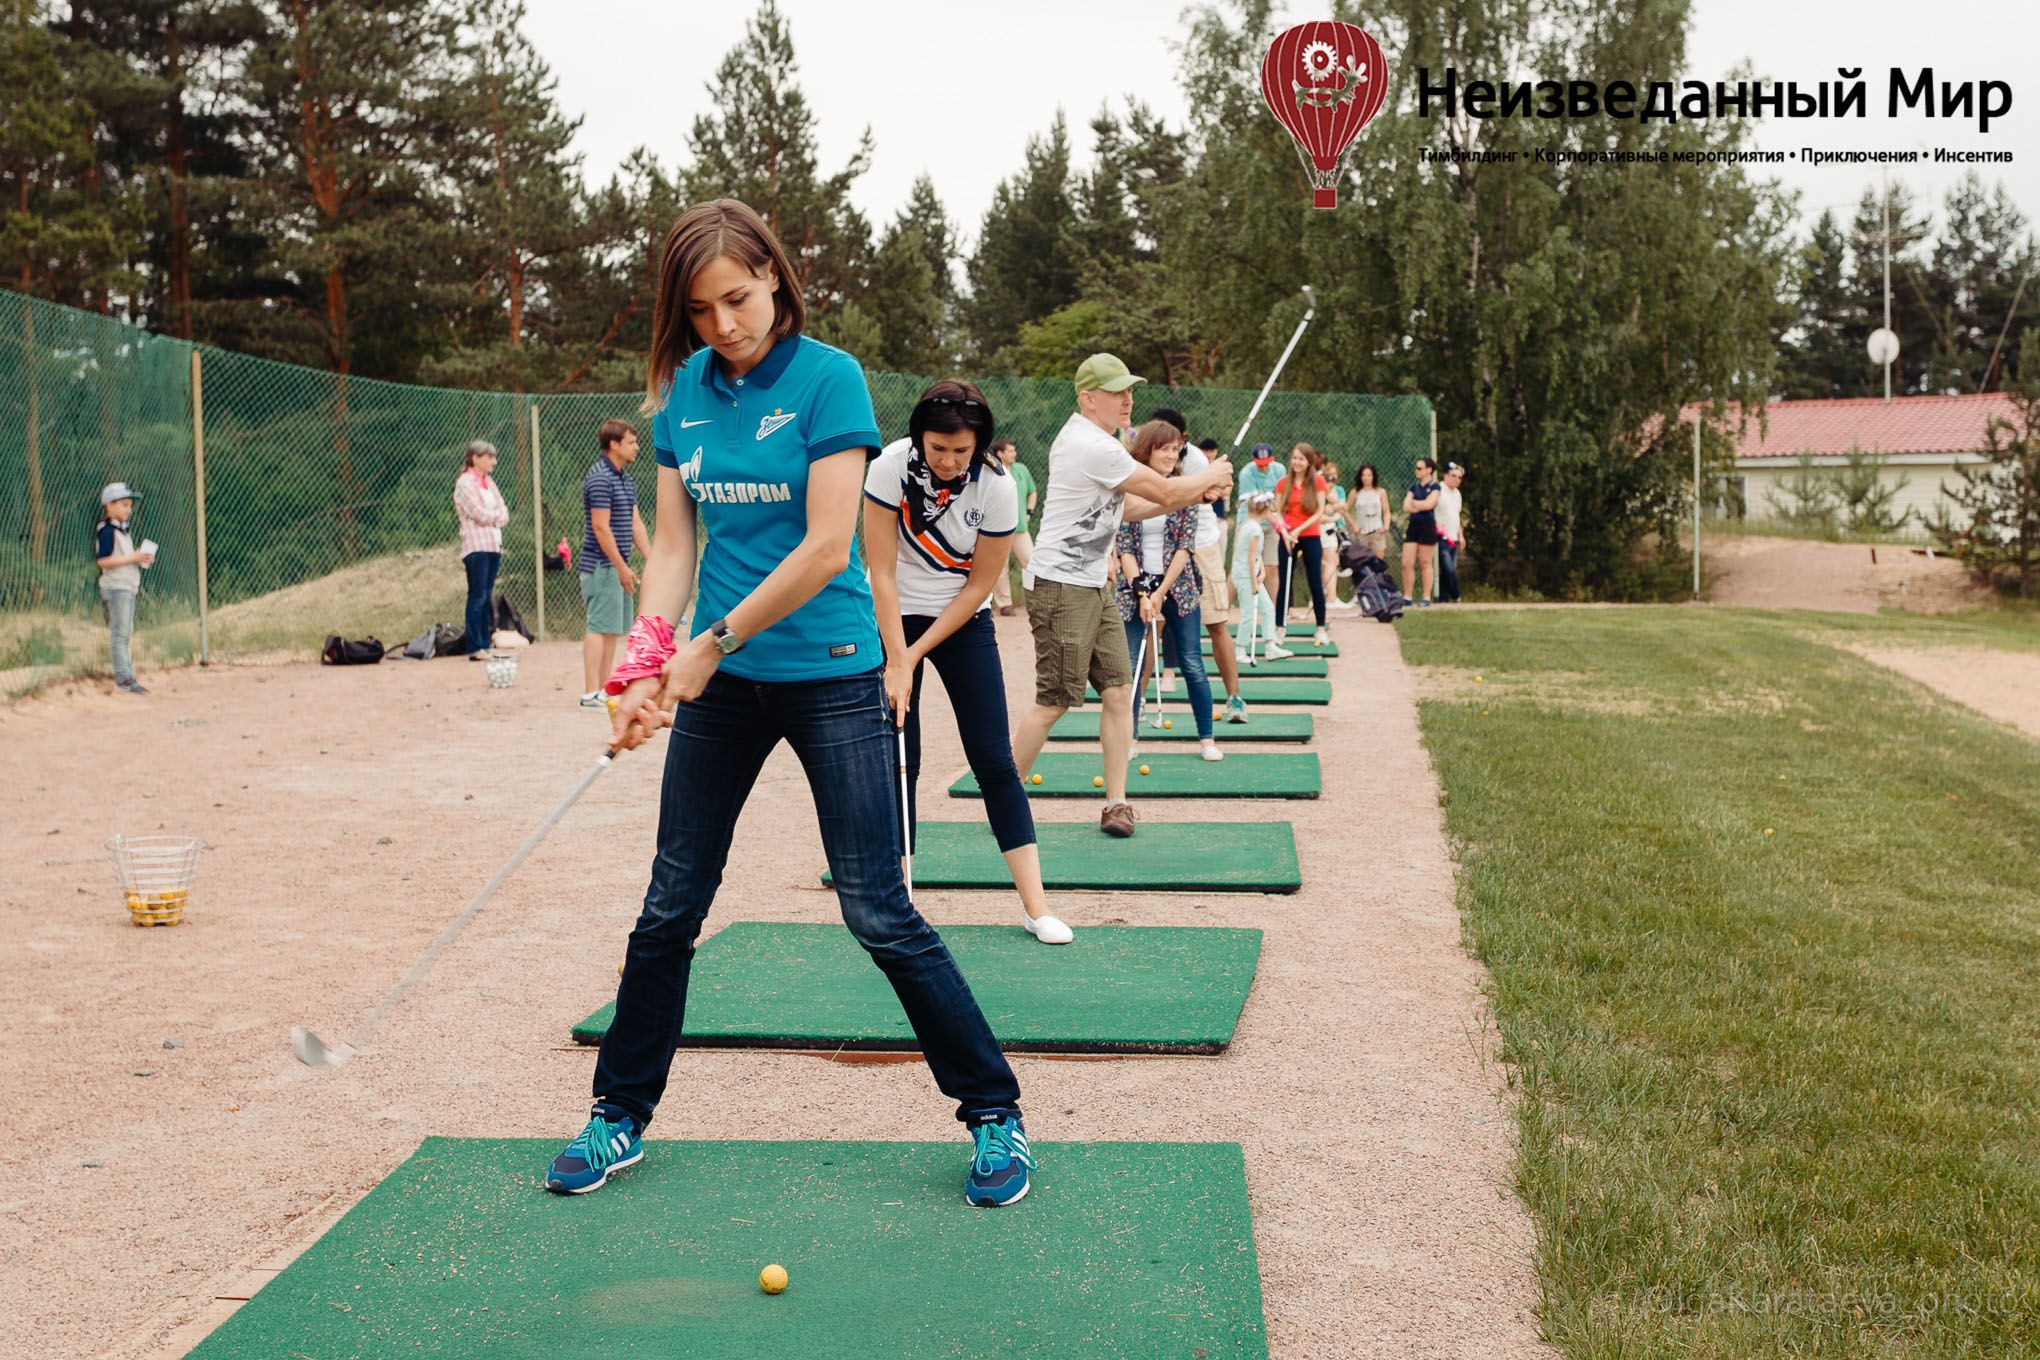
(743, 448)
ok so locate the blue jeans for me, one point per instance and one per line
(968, 662)
(1309, 560)
(1184, 634)
(1448, 571)
(120, 632)
(843, 735)
(481, 576)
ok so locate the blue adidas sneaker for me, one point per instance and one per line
(998, 1171)
(604, 1146)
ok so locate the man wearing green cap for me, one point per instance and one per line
(1078, 636)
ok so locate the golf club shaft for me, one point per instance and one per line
(906, 816)
(459, 923)
(1309, 311)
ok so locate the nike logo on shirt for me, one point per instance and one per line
(690, 424)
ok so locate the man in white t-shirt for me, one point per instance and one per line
(1451, 534)
(1078, 636)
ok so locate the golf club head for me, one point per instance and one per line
(312, 1051)
(1309, 297)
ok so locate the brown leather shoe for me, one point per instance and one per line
(1117, 820)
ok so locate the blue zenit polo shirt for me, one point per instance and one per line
(743, 448)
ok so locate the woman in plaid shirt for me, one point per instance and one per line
(1158, 585)
(479, 504)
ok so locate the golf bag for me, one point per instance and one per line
(1373, 591)
(506, 616)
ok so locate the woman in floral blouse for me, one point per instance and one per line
(1158, 585)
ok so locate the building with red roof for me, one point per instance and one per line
(1922, 440)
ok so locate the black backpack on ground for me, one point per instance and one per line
(506, 616)
(340, 651)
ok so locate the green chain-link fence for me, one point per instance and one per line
(325, 504)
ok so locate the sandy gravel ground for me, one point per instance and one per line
(1998, 684)
(353, 813)
(1788, 573)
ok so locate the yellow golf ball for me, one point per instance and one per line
(1097, 781)
(772, 1279)
(1037, 779)
(612, 705)
(1768, 831)
(1168, 722)
(1143, 769)
(1477, 680)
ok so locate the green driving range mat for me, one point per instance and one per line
(1242, 774)
(1082, 725)
(1305, 631)
(1253, 689)
(1171, 857)
(1120, 1249)
(1115, 989)
(1302, 646)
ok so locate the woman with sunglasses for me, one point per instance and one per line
(939, 515)
(761, 436)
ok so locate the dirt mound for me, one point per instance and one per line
(1850, 578)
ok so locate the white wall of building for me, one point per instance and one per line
(1918, 478)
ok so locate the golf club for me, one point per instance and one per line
(1309, 311)
(906, 816)
(316, 1052)
(1155, 631)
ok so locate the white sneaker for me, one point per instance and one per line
(1211, 751)
(1048, 929)
(1323, 638)
(1277, 652)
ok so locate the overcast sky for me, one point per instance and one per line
(955, 89)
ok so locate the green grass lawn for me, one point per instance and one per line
(1763, 922)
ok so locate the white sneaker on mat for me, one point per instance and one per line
(1211, 751)
(1277, 652)
(1323, 638)
(1048, 929)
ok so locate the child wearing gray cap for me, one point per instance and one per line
(120, 579)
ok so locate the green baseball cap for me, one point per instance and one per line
(1105, 372)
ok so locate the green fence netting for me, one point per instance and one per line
(327, 500)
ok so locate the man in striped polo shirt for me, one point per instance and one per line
(613, 527)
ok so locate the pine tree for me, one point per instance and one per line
(521, 213)
(1995, 525)
(1022, 268)
(1981, 254)
(1823, 353)
(759, 145)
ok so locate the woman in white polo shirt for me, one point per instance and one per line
(939, 516)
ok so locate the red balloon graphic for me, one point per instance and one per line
(1324, 81)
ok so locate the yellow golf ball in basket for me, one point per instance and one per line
(1097, 781)
(1037, 779)
(1168, 722)
(772, 1279)
(1143, 769)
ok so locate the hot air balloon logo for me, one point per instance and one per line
(1324, 81)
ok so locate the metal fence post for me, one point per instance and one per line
(198, 478)
(537, 523)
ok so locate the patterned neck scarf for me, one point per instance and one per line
(928, 497)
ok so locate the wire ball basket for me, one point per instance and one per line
(156, 874)
(502, 669)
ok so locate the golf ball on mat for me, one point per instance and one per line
(1097, 781)
(772, 1279)
(1168, 722)
(1037, 779)
(1143, 769)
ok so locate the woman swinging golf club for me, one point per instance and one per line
(763, 433)
(939, 514)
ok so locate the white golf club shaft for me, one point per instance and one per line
(460, 922)
(906, 817)
(1309, 311)
(1155, 630)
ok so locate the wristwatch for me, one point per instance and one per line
(725, 640)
